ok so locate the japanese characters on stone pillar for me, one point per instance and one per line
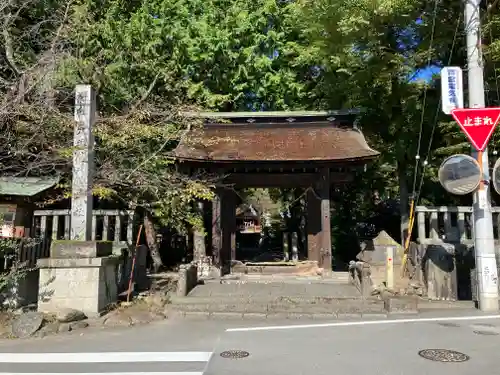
(83, 164)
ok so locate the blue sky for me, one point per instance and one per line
(426, 74)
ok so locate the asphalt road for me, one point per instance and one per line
(164, 348)
(385, 347)
(375, 349)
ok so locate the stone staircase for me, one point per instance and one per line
(280, 297)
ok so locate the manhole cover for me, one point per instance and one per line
(486, 333)
(443, 355)
(234, 354)
(449, 325)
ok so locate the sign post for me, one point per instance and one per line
(478, 124)
(452, 89)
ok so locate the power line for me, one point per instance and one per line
(497, 89)
(416, 194)
(422, 116)
(436, 115)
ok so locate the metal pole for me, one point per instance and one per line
(483, 224)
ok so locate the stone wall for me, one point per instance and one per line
(440, 271)
(448, 270)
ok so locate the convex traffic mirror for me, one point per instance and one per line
(495, 177)
(460, 174)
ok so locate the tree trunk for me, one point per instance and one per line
(150, 232)
(403, 197)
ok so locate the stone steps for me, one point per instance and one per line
(265, 308)
(260, 309)
(217, 310)
(258, 279)
(295, 299)
(276, 289)
(335, 278)
(270, 299)
(288, 307)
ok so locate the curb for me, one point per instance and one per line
(289, 316)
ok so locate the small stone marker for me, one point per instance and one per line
(27, 324)
(375, 250)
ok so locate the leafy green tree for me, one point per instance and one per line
(225, 55)
(370, 52)
(149, 61)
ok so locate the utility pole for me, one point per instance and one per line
(486, 266)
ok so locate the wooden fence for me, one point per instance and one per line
(107, 225)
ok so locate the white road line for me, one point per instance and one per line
(364, 323)
(103, 373)
(105, 357)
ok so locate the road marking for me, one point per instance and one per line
(105, 357)
(364, 323)
(103, 373)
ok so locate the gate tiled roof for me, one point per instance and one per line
(297, 141)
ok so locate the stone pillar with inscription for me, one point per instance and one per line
(326, 235)
(319, 240)
(83, 164)
(80, 273)
(200, 258)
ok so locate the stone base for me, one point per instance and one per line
(85, 284)
(66, 249)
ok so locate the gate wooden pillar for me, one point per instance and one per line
(228, 224)
(216, 230)
(319, 242)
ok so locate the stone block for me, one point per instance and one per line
(374, 250)
(401, 305)
(205, 267)
(440, 271)
(65, 249)
(88, 285)
(188, 279)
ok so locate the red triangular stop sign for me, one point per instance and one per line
(478, 124)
